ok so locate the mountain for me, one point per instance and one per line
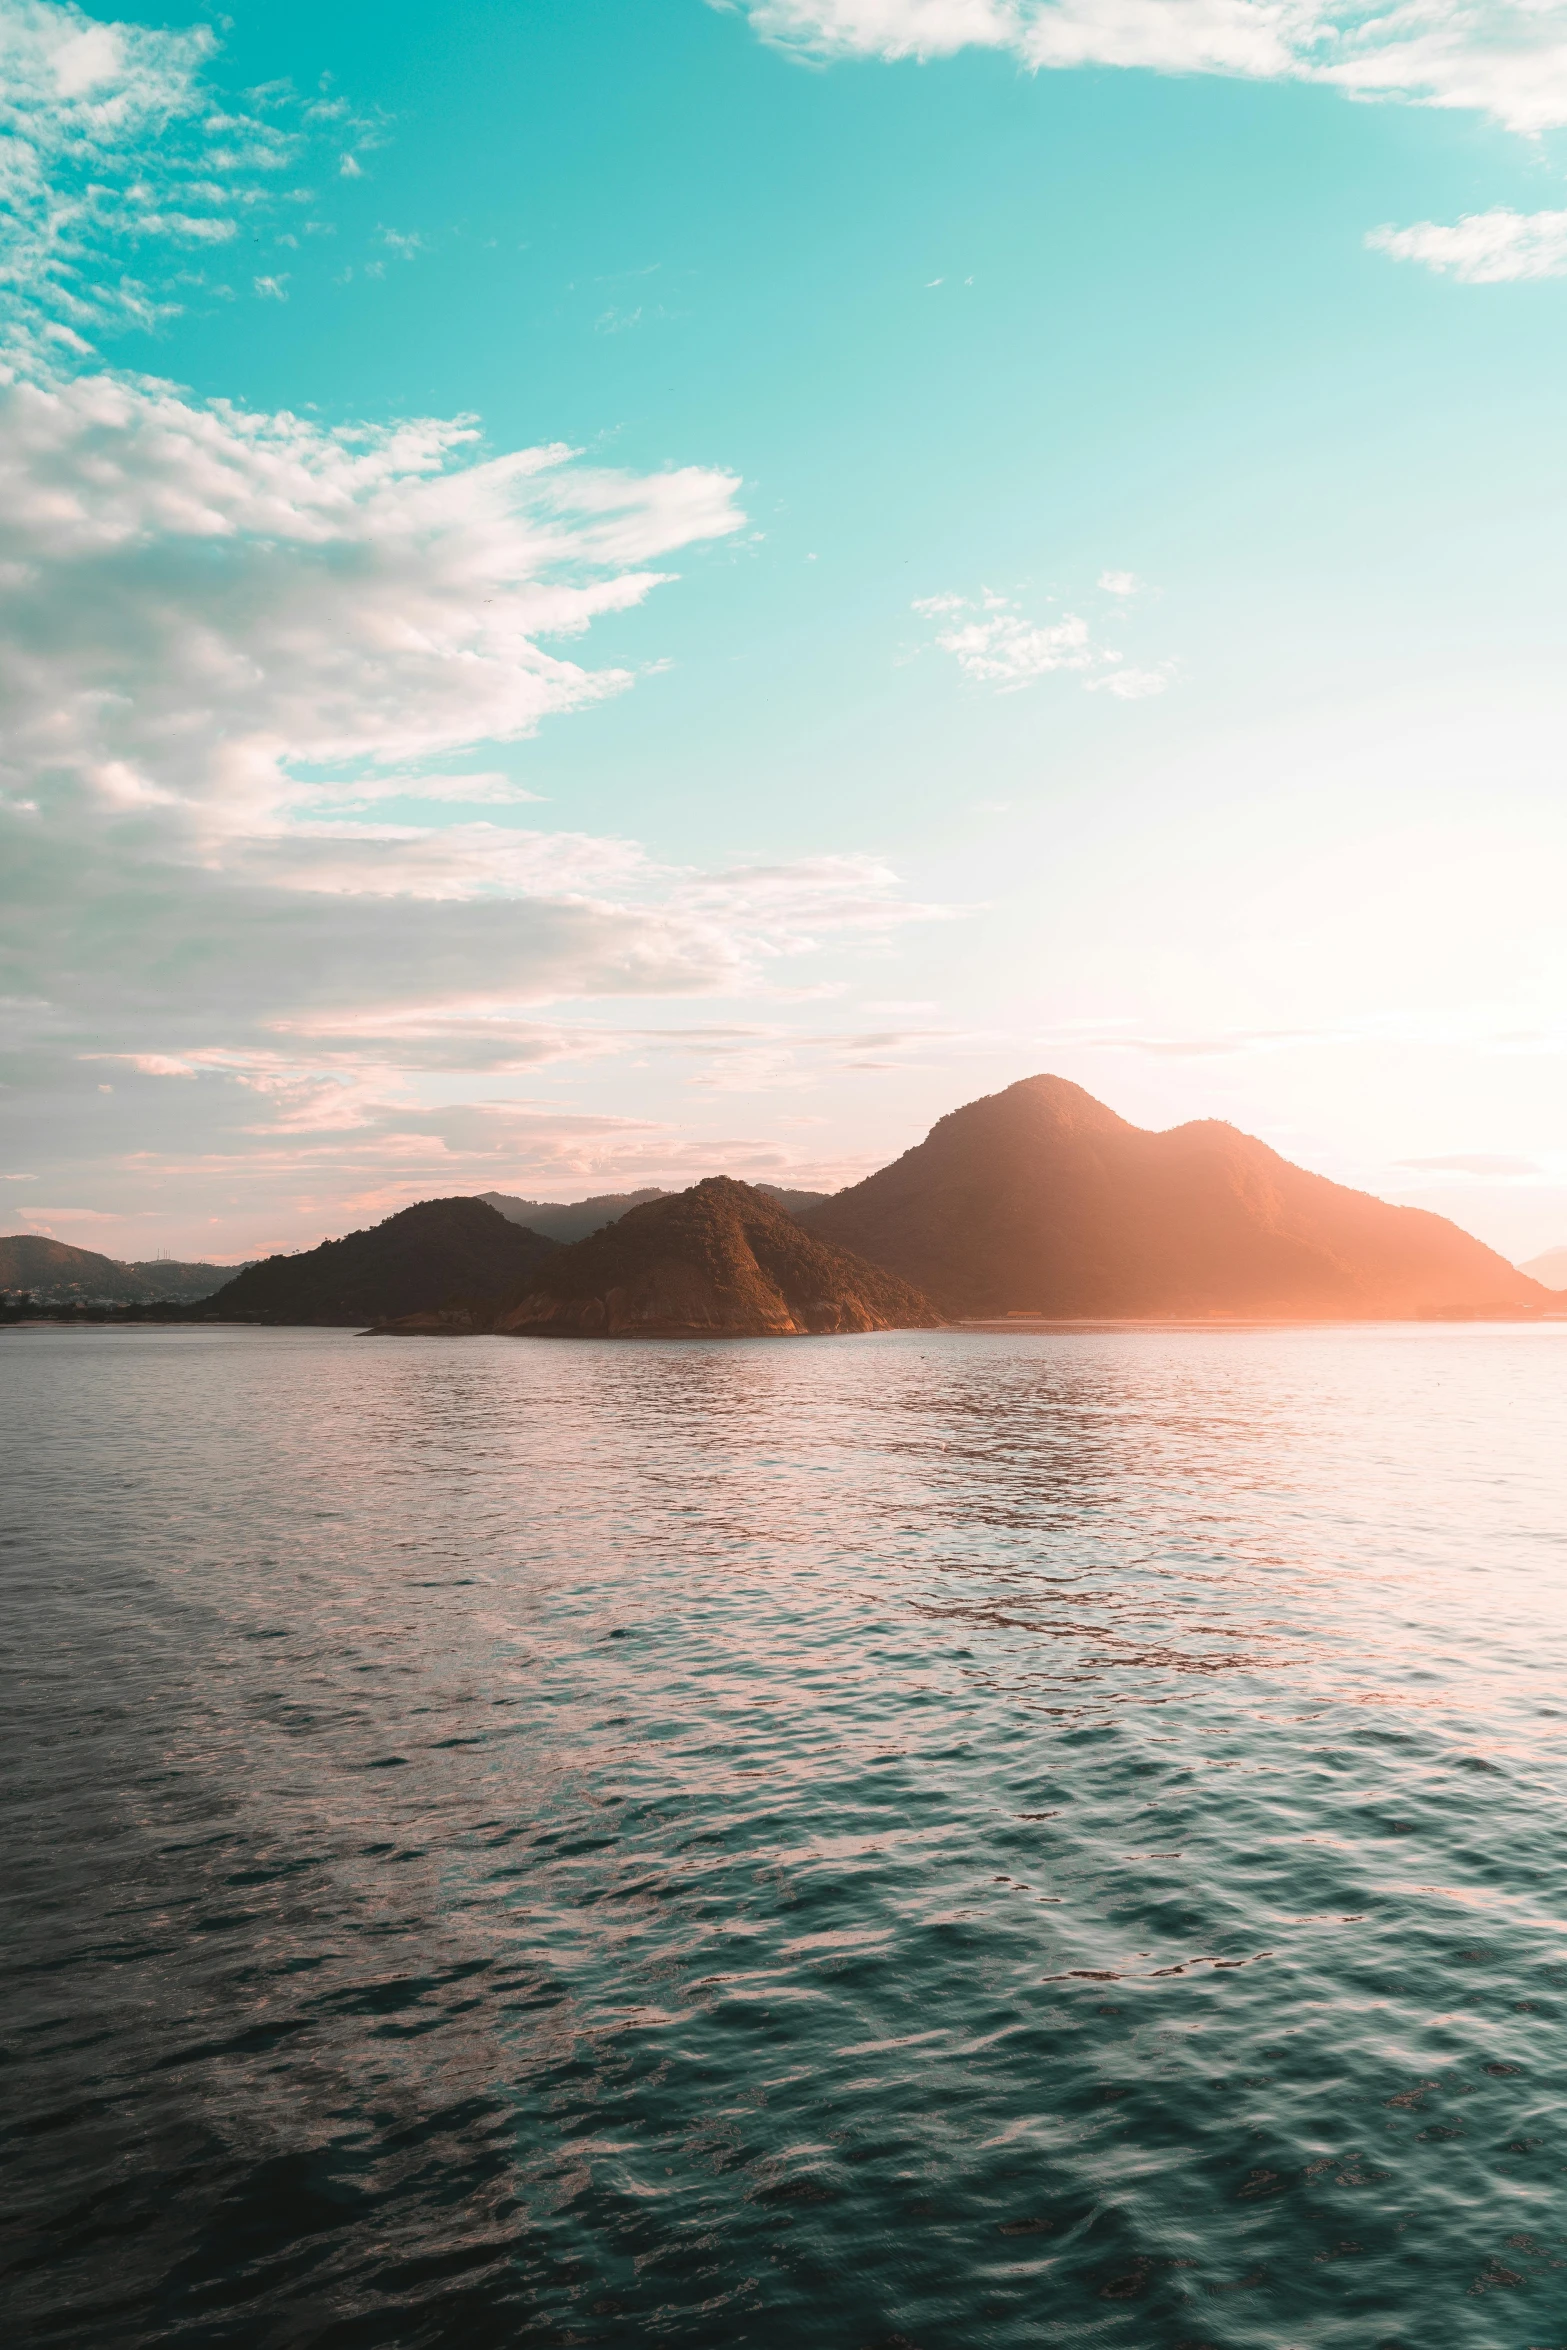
(1041, 1200)
(55, 1274)
(169, 1279)
(51, 1272)
(722, 1260)
(568, 1220)
(797, 1202)
(1551, 1268)
(451, 1255)
(571, 1220)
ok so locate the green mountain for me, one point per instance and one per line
(720, 1260)
(51, 1272)
(455, 1256)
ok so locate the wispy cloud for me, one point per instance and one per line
(1507, 58)
(1132, 685)
(486, 789)
(999, 645)
(1483, 248)
(119, 170)
(1474, 1032)
(1114, 1033)
(1476, 1163)
(994, 643)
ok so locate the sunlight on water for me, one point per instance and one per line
(933, 1840)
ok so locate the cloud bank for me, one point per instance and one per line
(241, 651)
(199, 598)
(1506, 58)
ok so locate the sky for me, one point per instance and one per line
(598, 593)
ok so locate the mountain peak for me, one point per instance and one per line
(1040, 1199)
(441, 1254)
(1043, 1098)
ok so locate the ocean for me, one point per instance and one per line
(941, 1840)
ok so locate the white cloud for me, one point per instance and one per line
(1506, 58)
(206, 600)
(309, 1003)
(790, 908)
(1120, 583)
(1132, 685)
(201, 596)
(1484, 248)
(445, 861)
(488, 789)
(997, 645)
(226, 633)
(118, 171)
(230, 638)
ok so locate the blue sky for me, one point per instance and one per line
(1042, 565)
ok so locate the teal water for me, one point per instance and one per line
(938, 1840)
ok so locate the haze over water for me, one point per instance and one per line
(933, 1839)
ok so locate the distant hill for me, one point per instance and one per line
(54, 1273)
(722, 1260)
(797, 1202)
(167, 1278)
(452, 1254)
(571, 1220)
(1551, 1268)
(567, 1220)
(51, 1272)
(1041, 1200)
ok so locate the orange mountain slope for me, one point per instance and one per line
(1039, 1199)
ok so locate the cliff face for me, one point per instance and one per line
(719, 1261)
(452, 1257)
(1040, 1199)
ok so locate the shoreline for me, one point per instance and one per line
(1067, 1325)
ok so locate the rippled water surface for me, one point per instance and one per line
(932, 1840)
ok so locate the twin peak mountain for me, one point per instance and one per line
(1037, 1200)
